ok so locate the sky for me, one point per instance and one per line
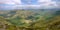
(24, 4)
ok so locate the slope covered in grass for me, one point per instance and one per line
(30, 19)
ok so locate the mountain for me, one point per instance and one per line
(28, 18)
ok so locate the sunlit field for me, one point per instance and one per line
(41, 19)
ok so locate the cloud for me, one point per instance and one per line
(10, 1)
(46, 3)
(9, 4)
(57, 2)
(17, 4)
(43, 4)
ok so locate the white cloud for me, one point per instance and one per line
(47, 3)
(42, 4)
(10, 1)
(18, 4)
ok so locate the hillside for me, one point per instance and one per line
(40, 19)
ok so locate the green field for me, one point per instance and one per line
(29, 19)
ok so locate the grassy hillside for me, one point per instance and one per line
(29, 19)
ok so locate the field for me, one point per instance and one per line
(41, 19)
